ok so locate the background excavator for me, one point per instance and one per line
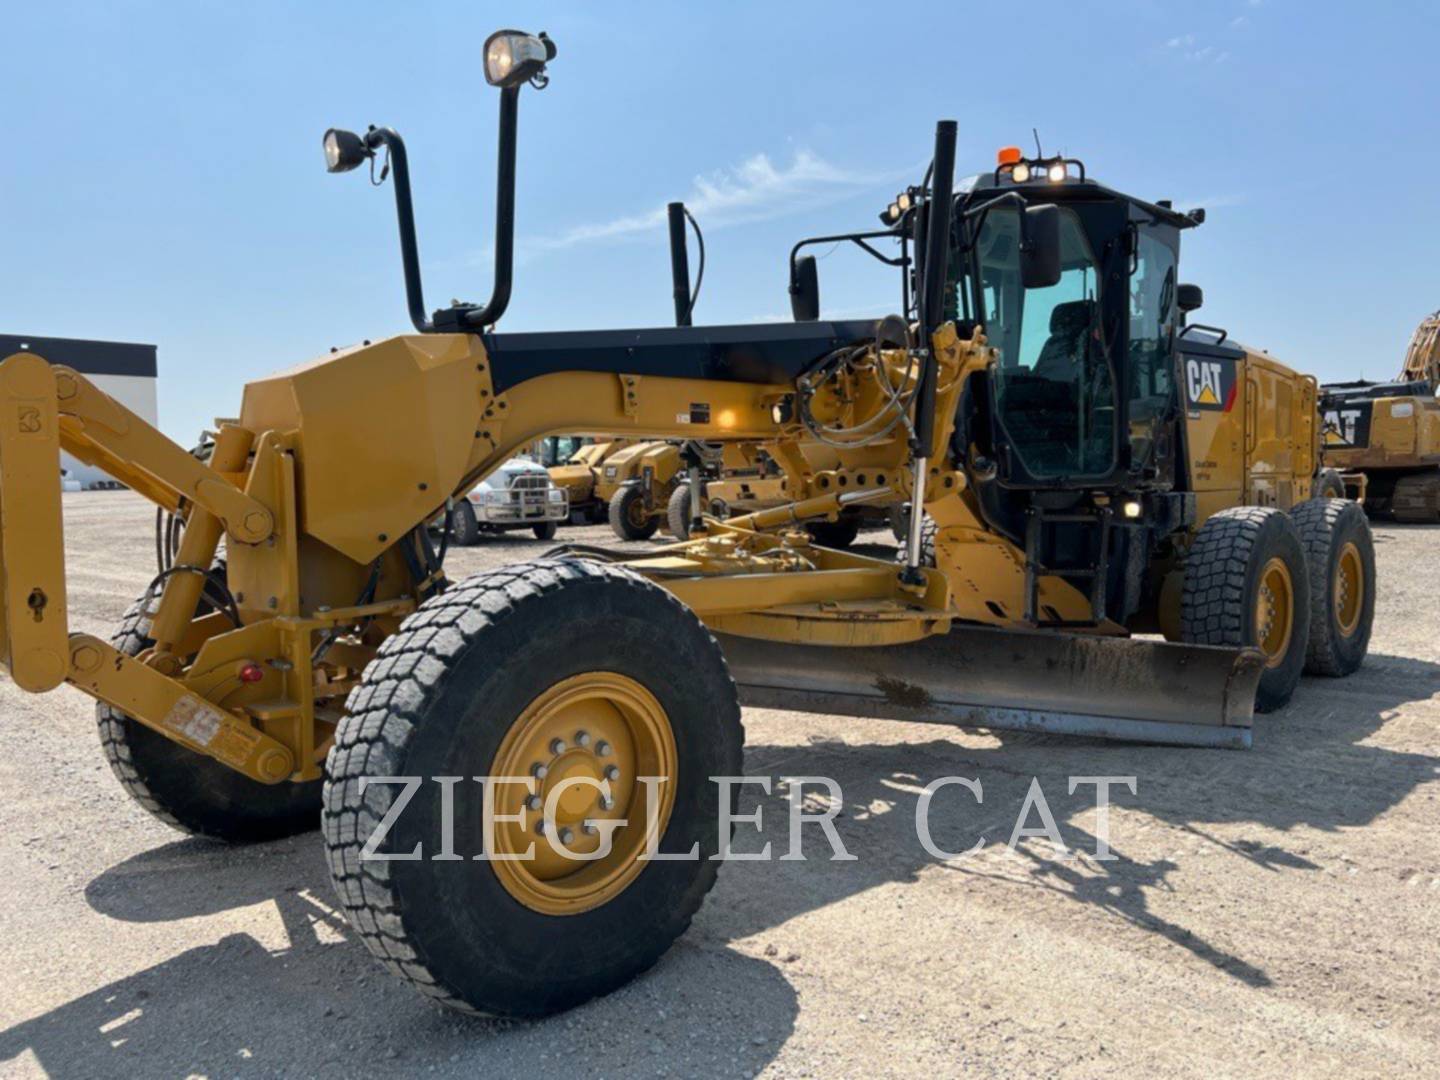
(1095, 472)
(1384, 438)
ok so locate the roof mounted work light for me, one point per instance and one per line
(344, 150)
(513, 57)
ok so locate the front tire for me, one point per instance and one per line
(1247, 583)
(677, 512)
(1341, 556)
(478, 679)
(465, 527)
(630, 518)
(187, 790)
(545, 530)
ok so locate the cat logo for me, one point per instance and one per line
(1210, 384)
(1349, 426)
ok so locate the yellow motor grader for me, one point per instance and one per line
(749, 479)
(514, 771)
(1383, 439)
(579, 476)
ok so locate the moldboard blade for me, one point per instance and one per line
(1020, 680)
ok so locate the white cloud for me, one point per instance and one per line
(1188, 46)
(1239, 21)
(755, 190)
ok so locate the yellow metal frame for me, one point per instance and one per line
(331, 464)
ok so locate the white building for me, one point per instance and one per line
(126, 372)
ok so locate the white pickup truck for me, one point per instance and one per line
(518, 495)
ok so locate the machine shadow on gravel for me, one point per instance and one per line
(1309, 768)
(223, 1008)
(238, 1006)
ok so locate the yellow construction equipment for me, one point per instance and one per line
(1094, 471)
(635, 484)
(1384, 438)
(753, 481)
(579, 476)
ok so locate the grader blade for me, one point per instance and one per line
(1067, 684)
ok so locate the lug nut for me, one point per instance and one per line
(582, 738)
(540, 826)
(534, 802)
(539, 771)
(606, 802)
(612, 772)
(589, 828)
(602, 748)
(557, 746)
(566, 836)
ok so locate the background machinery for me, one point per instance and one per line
(1087, 485)
(1384, 438)
(579, 476)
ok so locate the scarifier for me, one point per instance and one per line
(1080, 469)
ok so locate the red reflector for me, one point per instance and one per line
(252, 673)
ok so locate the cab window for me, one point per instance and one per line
(1153, 318)
(1054, 388)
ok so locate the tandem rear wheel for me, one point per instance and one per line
(570, 674)
(1341, 555)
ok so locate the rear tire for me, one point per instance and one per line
(465, 527)
(629, 516)
(546, 530)
(443, 698)
(677, 512)
(189, 791)
(1341, 556)
(1247, 584)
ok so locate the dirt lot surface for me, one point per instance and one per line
(1271, 912)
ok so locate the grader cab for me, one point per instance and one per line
(1074, 485)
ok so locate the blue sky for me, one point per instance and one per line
(162, 179)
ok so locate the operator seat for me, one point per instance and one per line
(1064, 349)
(1040, 406)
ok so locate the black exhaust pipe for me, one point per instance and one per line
(935, 265)
(679, 263)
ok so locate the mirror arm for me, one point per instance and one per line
(857, 239)
(985, 207)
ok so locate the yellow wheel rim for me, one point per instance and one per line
(599, 726)
(1349, 589)
(638, 514)
(1275, 612)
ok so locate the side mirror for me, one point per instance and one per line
(805, 290)
(1040, 247)
(1189, 298)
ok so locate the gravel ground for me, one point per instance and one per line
(1271, 912)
